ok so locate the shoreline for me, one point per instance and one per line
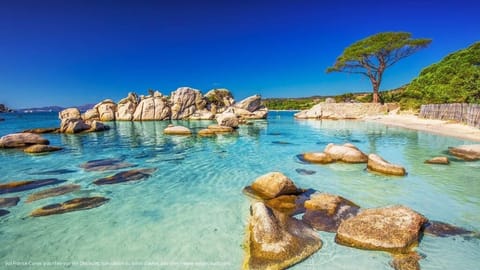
(439, 127)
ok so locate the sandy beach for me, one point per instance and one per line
(440, 127)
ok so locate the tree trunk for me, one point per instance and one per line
(376, 98)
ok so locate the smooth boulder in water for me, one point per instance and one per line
(274, 184)
(70, 206)
(469, 152)
(277, 241)
(378, 164)
(9, 201)
(41, 148)
(52, 192)
(106, 164)
(27, 185)
(126, 176)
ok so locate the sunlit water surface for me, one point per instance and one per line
(191, 213)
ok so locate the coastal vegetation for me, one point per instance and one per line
(373, 55)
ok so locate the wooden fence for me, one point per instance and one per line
(461, 112)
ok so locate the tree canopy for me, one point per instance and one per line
(373, 55)
(456, 78)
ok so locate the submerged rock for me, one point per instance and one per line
(177, 130)
(274, 184)
(378, 164)
(438, 160)
(441, 229)
(9, 201)
(59, 171)
(466, 152)
(317, 157)
(393, 229)
(4, 212)
(305, 171)
(70, 206)
(126, 176)
(41, 148)
(290, 204)
(277, 241)
(27, 185)
(21, 140)
(52, 192)
(325, 212)
(106, 164)
(407, 261)
(41, 130)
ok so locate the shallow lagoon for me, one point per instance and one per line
(191, 213)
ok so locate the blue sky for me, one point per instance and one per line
(73, 52)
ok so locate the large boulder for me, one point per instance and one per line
(438, 160)
(152, 107)
(250, 104)
(393, 229)
(91, 114)
(274, 184)
(346, 153)
(106, 110)
(185, 101)
(126, 107)
(469, 152)
(202, 115)
(21, 140)
(407, 261)
(378, 164)
(317, 157)
(41, 148)
(227, 119)
(69, 113)
(325, 212)
(277, 241)
(177, 130)
(72, 126)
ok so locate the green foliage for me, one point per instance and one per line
(456, 78)
(290, 103)
(373, 55)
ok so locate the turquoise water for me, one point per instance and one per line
(191, 213)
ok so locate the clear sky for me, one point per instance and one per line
(72, 52)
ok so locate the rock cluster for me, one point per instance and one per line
(185, 103)
(329, 110)
(72, 121)
(468, 152)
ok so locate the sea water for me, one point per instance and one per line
(191, 214)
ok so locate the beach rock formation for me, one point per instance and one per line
(41, 130)
(70, 113)
(277, 241)
(106, 110)
(407, 261)
(152, 107)
(71, 121)
(228, 119)
(325, 110)
(106, 164)
(325, 212)
(52, 192)
(468, 152)
(9, 201)
(126, 107)
(21, 140)
(347, 153)
(438, 160)
(18, 186)
(393, 229)
(378, 164)
(70, 206)
(41, 148)
(177, 130)
(219, 99)
(274, 184)
(185, 101)
(202, 115)
(125, 176)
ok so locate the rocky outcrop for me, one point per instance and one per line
(219, 99)
(41, 148)
(469, 152)
(438, 160)
(152, 107)
(70, 206)
(52, 192)
(277, 241)
(393, 229)
(228, 119)
(325, 212)
(177, 130)
(250, 104)
(407, 261)
(274, 184)
(126, 107)
(106, 110)
(21, 140)
(347, 153)
(71, 121)
(344, 110)
(185, 101)
(70, 113)
(378, 164)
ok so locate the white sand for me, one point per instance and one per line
(445, 128)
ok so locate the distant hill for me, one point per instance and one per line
(82, 108)
(456, 78)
